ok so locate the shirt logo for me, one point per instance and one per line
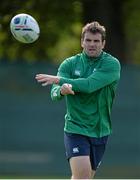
(54, 94)
(75, 150)
(94, 69)
(77, 72)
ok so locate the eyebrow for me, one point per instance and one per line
(88, 39)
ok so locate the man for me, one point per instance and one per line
(88, 81)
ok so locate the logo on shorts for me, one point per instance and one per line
(99, 164)
(75, 150)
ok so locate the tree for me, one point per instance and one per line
(61, 23)
(58, 23)
(131, 11)
(109, 13)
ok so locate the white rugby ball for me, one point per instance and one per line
(24, 28)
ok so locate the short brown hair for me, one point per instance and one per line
(94, 27)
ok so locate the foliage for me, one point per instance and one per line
(60, 24)
(132, 29)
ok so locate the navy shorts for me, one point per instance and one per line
(80, 145)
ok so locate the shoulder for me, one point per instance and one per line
(73, 58)
(108, 59)
(70, 61)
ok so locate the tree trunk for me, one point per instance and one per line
(109, 14)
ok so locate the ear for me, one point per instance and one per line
(104, 43)
(82, 42)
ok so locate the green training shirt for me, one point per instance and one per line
(94, 81)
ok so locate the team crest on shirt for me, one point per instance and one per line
(77, 72)
(94, 69)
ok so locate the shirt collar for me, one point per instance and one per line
(91, 59)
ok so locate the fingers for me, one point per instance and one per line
(71, 92)
(45, 79)
(67, 89)
(42, 79)
(65, 92)
(45, 84)
(40, 75)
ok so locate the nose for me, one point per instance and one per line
(92, 43)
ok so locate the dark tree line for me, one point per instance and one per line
(61, 22)
(109, 13)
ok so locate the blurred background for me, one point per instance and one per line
(31, 125)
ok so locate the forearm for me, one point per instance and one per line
(55, 93)
(92, 83)
(95, 81)
(78, 85)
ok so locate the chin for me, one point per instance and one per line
(93, 55)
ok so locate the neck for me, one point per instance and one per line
(92, 57)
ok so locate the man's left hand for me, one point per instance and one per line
(46, 79)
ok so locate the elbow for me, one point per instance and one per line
(89, 90)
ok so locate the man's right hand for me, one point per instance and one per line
(66, 89)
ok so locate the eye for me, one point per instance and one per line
(96, 40)
(88, 40)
